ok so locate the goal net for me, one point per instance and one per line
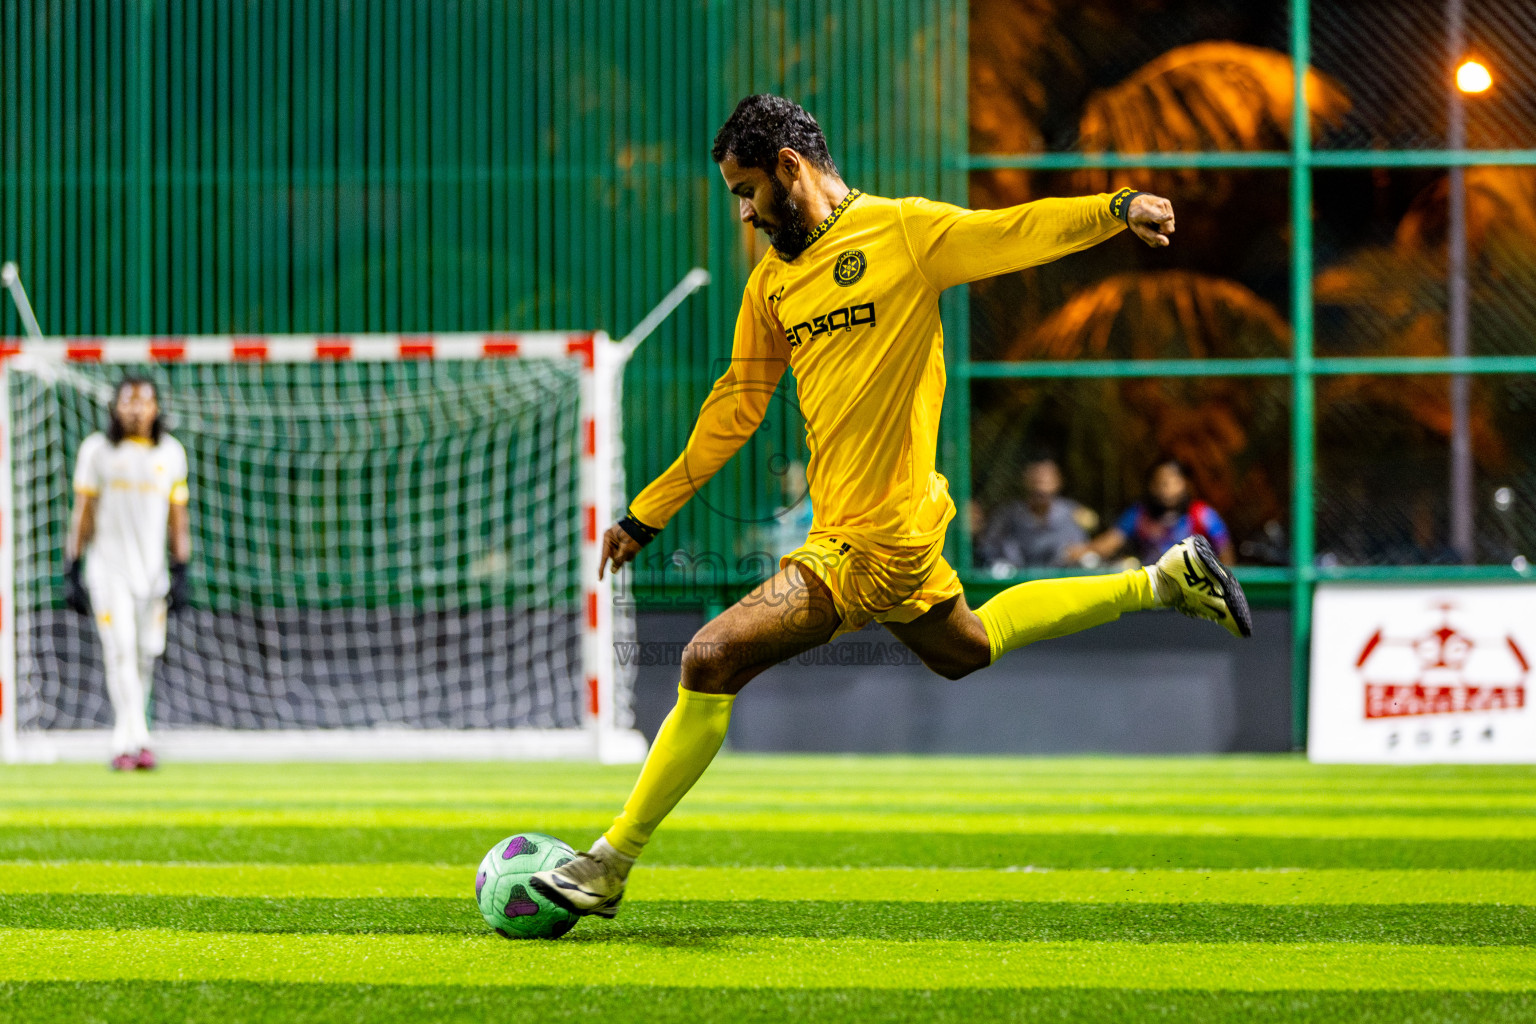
(394, 548)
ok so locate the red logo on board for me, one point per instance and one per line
(1441, 672)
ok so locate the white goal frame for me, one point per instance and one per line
(599, 362)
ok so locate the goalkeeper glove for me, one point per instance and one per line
(75, 596)
(177, 599)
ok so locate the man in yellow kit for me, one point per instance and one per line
(849, 300)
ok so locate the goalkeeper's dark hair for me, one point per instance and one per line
(115, 431)
(763, 124)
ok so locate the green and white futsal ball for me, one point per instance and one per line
(507, 902)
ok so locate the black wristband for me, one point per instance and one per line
(1120, 203)
(178, 568)
(638, 531)
(72, 567)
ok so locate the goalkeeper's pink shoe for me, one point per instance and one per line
(124, 762)
(147, 759)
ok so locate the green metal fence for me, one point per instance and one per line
(1500, 28)
(213, 167)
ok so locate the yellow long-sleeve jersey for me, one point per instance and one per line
(856, 317)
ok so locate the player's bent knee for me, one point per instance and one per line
(963, 662)
(706, 666)
(957, 669)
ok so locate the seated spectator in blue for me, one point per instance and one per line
(1038, 530)
(1167, 515)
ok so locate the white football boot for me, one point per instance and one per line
(1197, 584)
(592, 883)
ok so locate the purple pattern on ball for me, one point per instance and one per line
(521, 904)
(479, 884)
(518, 845)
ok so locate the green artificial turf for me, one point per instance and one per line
(858, 889)
(223, 1002)
(318, 845)
(1412, 924)
(661, 883)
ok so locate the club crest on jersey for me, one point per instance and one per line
(850, 266)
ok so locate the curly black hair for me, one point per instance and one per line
(762, 125)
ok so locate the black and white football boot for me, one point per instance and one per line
(1197, 584)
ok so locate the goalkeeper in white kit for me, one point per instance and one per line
(130, 502)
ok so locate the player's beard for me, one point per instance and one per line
(791, 236)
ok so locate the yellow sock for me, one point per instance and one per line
(688, 740)
(1042, 609)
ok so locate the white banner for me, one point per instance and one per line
(1420, 674)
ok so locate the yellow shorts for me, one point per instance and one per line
(876, 582)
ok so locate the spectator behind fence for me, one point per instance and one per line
(1168, 514)
(1040, 529)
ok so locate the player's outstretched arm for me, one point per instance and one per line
(954, 246)
(731, 414)
(733, 411)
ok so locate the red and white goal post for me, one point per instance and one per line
(396, 541)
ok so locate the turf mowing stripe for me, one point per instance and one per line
(770, 797)
(869, 781)
(158, 954)
(1255, 767)
(690, 922)
(780, 802)
(1381, 826)
(884, 884)
(807, 849)
(222, 1002)
(720, 788)
(1260, 887)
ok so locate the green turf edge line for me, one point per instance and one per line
(157, 954)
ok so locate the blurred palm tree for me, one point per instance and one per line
(1231, 432)
(1208, 96)
(1391, 300)
(1167, 314)
(1211, 95)
(1011, 61)
(1501, 205)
